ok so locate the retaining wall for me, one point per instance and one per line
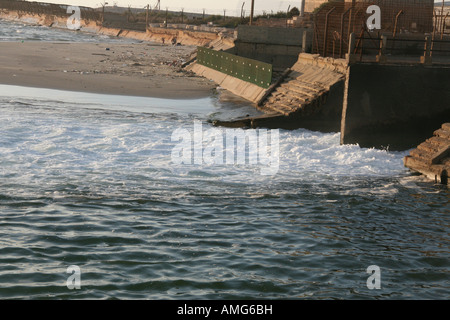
(395, 106)
(274, 45)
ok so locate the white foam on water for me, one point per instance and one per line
(84, 138)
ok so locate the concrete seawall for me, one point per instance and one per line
(275, 45)
(395, 106)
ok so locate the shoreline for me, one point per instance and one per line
(147, 69)
(136, 69)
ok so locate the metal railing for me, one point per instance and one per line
(335, 21)
(384, 48)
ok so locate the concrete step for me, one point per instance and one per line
(278, 108)
(308, 87)
(442, 133)
(299, 90)
(420, 155)
(300, 94)
(428, 147)
(287, 95)
(438, 141)
(311, 84)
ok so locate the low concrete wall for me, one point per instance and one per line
(277, 46)
(395, 106)
(270, 35)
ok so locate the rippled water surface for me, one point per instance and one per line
(90, 185)
(88, 180)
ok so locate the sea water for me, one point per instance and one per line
(88, 180)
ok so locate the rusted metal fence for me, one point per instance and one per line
(42, 8)
(405, 23)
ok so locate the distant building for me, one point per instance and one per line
(310, 5)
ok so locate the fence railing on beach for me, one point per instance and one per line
(249, 70)
(42, 8)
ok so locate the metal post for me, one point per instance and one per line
(442, 14)
(342, 30)
(287, 15)
(351, 48)
(381, 57)
(443, 25)
(252, 11)
(325, 41)
(426, 58)
(146, 17)
(302, 8)
(304, 41)
(167, 15)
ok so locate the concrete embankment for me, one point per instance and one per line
(395, 106)
(310, 96)
(243, 89)
(184, 37)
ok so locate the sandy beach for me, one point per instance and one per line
(138, 69)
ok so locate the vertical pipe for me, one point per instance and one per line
(304, 41)
(167, 15)
(350, 21)
(325, 41)
(287, 15)
(435, 23)
(443, 25)
(252, 11)
(146, 17)
(442, 12)
(342, 30)
(395, 29)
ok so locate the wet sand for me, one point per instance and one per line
(140, 69)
